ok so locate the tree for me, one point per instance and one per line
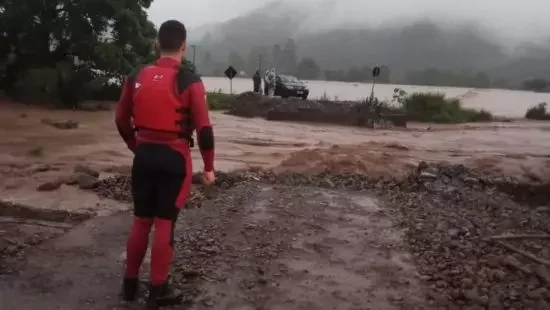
(75, 42)
(536, 85)
(308, 69)
(253, 59)
(385, 75)
(276, 56)
(289, 59)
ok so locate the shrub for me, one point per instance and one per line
(65, 86)
(106, 92)
(538, 112)
(434, 107)
(38, 85)
(219, 100)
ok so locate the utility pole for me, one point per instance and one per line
(260, 59)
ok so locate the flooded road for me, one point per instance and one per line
(519, 148)
(506, 103)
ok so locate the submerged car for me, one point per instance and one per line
(290, 86)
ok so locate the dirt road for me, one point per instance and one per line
(257, 247)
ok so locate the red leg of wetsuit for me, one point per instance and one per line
(137, 245)
(162, 252)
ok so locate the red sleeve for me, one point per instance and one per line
(123, 116)
(201, 120)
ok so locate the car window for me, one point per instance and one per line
(289, 79)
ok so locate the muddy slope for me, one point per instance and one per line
(454, 220)
(258, 246)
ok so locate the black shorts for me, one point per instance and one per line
(161, 180)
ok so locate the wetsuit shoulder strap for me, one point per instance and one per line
(185, 78)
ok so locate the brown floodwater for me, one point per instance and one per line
(519, 148)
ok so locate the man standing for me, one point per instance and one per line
(159, 108)
(257, 80)
(272, 81)
(266, 83)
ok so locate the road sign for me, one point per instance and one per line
(375, 71)
(230, 72)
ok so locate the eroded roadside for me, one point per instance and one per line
(257, 246)
(445, 237)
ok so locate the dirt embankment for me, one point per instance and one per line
(256, 237)
(476, 242)
(348, 113)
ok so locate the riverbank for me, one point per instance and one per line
(500, 103)
(404, 108)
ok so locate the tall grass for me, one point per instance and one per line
(219, 100)
(538, 112)
(435, 108)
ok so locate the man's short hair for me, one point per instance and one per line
(172, 34)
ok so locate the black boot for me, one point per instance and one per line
(163, 295)
(130, 288)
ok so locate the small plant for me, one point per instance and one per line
(434, 107)
(538, 112)
(219, 100)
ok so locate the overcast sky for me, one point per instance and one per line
(514, 19)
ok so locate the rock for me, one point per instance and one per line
(36, 151)
(50, 186)
(467, 283)
(511, 261)
(542, 273)
(395, 297)
(422, 166)
(493, 261)
(208, 302)
(72, 180)
(543, 305)
(86, 181)
(42, 168)
(474, 297)
(494, 303)
(65, 124)
(540, 293)
(453, 232)
(427, 175)
(86, 170)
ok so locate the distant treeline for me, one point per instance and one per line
(285, 61)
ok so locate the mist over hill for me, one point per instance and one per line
(407, 46)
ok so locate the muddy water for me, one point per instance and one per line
(500, 102)
(519, 149)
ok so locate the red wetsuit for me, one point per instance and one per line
(159, 108)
